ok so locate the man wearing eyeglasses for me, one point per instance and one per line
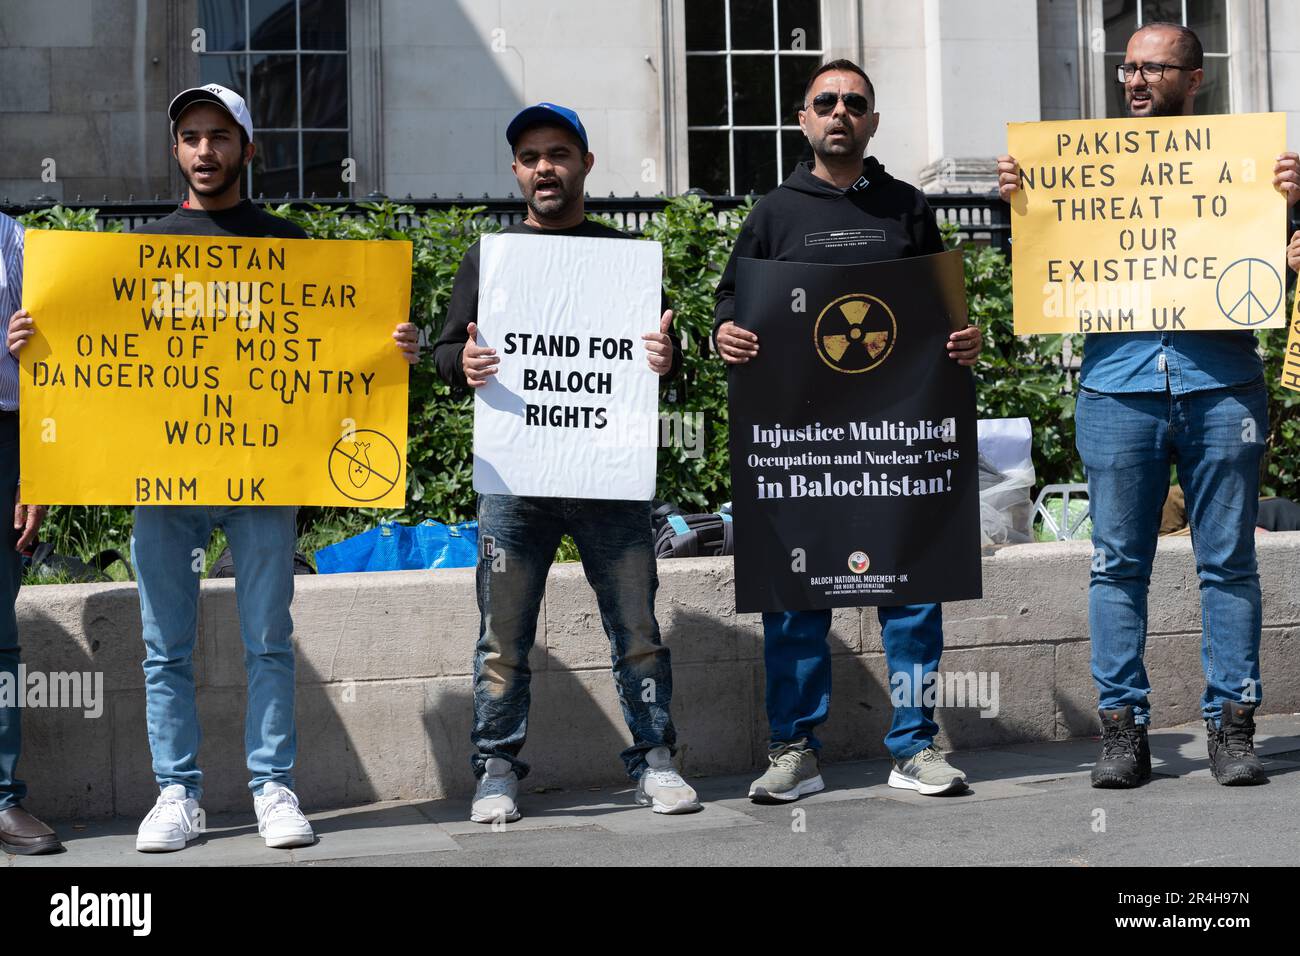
(872, 217)
(1146, 399)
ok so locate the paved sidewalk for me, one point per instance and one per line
(1029, 804)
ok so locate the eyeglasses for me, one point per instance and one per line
(823, 104)
(1150, 71)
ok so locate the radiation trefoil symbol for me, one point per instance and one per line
(855, 333)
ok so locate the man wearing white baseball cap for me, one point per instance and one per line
(212, 136)
(228, 100)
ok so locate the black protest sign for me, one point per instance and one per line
(853, 437)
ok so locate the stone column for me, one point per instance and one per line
(981, 72)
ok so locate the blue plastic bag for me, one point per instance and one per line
(399, 547)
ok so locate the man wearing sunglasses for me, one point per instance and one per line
(1146, 399)
(874, 218)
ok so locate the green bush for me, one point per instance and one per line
(696, 245)
(1017, 376)
(1281, 475)
(1023, 376)
(1020, 376)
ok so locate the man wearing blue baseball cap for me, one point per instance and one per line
(551, 163)
(547, 114)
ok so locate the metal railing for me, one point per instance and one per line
(981, 218)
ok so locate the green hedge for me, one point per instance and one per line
(1017, 376)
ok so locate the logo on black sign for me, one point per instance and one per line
(855, 333)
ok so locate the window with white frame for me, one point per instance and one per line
(747, 63)
(289, 60)
(1207, 18)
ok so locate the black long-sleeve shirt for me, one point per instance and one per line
(244, 219)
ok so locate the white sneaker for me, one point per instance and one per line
(279, 820)
(662, 788)
(498, 788)
(173, 822)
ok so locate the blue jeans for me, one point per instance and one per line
(614, 540)
(1126, 442)
(798, 663)
(167, 546)
(12, 790)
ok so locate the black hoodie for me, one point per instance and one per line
(810, 220)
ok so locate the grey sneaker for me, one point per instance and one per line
(794, 772)
(927, 772)
(662, 788)
(498, 788)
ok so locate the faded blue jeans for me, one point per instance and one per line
(518, 536)
(12, 790)
(167, 548)
(1127, 442)
(798, 661)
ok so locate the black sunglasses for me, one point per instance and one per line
(857, 104)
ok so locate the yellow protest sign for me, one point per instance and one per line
(191, 370)
(1141, 225)
(1291, 358)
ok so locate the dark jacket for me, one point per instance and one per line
(807, 219)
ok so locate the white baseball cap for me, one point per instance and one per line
(228, 100)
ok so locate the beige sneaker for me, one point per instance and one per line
(662, 788)
(498, 789)
(927, 772)
(793, 773)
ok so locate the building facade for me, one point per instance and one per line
(402, 97)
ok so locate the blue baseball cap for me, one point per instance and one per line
(545, 114)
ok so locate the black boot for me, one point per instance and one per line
(1125, 757)
(1232, 746)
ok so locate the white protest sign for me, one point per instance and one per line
(573, 409)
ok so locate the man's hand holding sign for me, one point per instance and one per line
(479, 362)
(737, 346)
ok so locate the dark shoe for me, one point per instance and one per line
(1125, 757)
(22, 834)
(1232, 747)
